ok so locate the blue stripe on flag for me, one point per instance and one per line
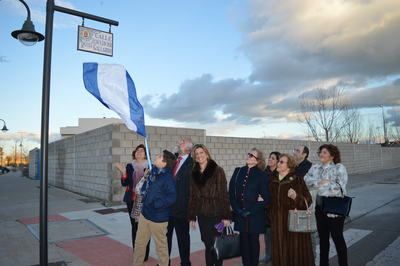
(136, 109)
(90, 80)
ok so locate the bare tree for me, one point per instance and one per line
(322, 111)
(394, 133)
(1, 156)
(8, 160)
(25, 155)
(351, 125)
(373, 136)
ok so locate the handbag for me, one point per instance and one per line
(227, 245)
(302, 221)
(337, 205)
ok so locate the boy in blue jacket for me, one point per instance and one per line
(159, 194)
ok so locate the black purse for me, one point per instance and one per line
(337, 205)
(227, 245)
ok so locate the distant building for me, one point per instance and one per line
(87, 124)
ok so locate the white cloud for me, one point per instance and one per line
(318, 39)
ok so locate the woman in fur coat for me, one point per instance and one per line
(288, 192)
(209, 201)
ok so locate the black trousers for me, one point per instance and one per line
(134, 227)
(181, 226)
(250, 248)
(327, 227)
(208, 234)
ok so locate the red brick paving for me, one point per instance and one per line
(101, 251)
(104, 251)
(197, 259)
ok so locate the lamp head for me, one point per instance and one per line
(28, 35)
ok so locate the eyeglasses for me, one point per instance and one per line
(296, 150)
(250, 155)
(282, 162)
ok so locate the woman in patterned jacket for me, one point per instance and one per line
(329, 177)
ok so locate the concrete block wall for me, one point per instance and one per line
(358, 158)
(83, 163)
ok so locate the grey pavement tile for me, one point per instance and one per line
(67, 230)
(19, 247)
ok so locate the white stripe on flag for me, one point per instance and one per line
(112, 84)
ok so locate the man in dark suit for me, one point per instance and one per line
(301, 153)
(178, 220)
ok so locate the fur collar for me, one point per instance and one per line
(201, 178)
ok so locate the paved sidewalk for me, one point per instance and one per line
(389, 257)
(376, 248)
(101, 235)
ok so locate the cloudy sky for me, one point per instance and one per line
(232, 67)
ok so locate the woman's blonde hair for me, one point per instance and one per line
(260, 158)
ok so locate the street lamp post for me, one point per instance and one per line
(4, 129)
(44, 130)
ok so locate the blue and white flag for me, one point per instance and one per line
(114, 88)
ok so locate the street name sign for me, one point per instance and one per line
(95, 41)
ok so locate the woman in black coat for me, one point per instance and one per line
(248, 193)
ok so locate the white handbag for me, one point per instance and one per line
(302, 221)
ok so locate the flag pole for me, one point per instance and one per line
(147, 153)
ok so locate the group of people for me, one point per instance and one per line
(190, 188)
